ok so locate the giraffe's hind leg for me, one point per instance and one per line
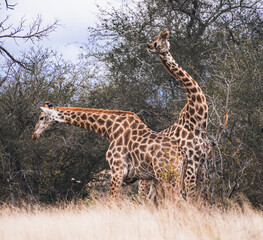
(144, 187)
(189, 182)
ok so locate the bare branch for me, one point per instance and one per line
(9, 6)
(35, 32)
(11, 57)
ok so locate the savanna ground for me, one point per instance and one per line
(126, 219)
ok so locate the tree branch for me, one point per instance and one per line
(11, 57)
(35, 31)
(9, 6)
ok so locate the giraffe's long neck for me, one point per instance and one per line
(107, 123)
(196, 100)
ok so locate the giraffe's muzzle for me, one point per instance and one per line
(150, 48)
(35, 136)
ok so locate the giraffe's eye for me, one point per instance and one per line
(155, 44)
(42, 118)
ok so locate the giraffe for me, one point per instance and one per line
(135, 151)
(190, 130)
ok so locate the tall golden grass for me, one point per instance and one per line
(128, 220)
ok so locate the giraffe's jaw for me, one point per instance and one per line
(37, 133)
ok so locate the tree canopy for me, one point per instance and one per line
(219, 43)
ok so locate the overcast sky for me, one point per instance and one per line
(74, 15)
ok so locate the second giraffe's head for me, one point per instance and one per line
(46, 121)
(160, 43)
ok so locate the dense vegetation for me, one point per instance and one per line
(220, 43)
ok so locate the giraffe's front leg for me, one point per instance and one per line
(117, 166)
(116, 182)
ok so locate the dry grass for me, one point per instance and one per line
(126, 220)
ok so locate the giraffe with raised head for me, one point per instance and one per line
(135, 151)
(190, 130)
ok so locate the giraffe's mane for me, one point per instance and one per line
(93, 110)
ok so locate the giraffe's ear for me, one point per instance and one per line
(47, 110)
(164, 34)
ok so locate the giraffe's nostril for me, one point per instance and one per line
(34, 137)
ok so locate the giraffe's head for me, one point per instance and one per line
(160, 43)
(46, 121)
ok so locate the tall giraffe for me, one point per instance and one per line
(135, 151)
(190, 130)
